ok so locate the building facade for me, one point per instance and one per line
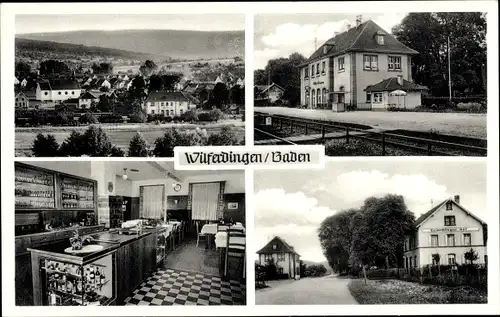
(443, 235)
(284, 256)
(57, 90)
(338, 73)
(272, 92)
(171, 104)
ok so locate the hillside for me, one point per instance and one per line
(31, 47)
(176, 44)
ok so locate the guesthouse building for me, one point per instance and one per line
(287, 260)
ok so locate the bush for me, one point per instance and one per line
(116, 152)
(88, 118)
(72, 146)
(190, 116)
(110, 118)
(176, 119)
(93, 142)
(45, 146)
(470, 106)
(138, 146)
(353, 148)
(224, 138)
(135, 118)
(164, 146)
(62, 118)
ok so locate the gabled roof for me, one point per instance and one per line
(88, 95)
(167, 96)
(268, 248)
(391, 84)
(420, 220)
(59, 84)
(360, 38)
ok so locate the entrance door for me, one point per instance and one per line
(341, 98)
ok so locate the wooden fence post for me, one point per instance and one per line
(383, 143)
(281, 124)
(323, 132)
(429, 148)
(305, 126)
(347, 135)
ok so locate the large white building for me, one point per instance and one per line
(287, 260)
(57, 90)
(448, 230)
(171, 104)
(353, 68)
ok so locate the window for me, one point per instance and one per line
(394, 63)
(318, 96)
(275, 246)
(313, 97)
(415, 261)
(46, 93)
(317, 69)
(306, 72)
(449, 220)
(180, 111)
(435, 259)
(451, 259)
(65, 92)
(370, 62)
(280, 270)
(449, 206)
(324, 95)
(467, 239)
(323, 67)
(312, 71)
(451, 240)
(380, 39)
(163, 112)
(281, 256)
(152, 112)
(377, 97)
(368, 97)
(59, 93)
(434, 240)
(341, 61)
(267, 257)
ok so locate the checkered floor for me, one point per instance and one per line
(174, 287)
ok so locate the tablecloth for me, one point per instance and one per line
(211, 228)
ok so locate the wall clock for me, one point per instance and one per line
(110, 187)
(177, 187)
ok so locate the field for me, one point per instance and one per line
(119, 134)
(402, 292)
(459, 124)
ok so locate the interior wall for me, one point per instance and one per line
(123, 187)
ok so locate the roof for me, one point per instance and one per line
(167, 96)
(360, 38)
(391, 84)
(59, 84)
(268, 248)
(88, 95)
(420, 220)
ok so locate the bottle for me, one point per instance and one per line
(97, 277)
(63, 283)
(79, 288)
(92, 276)
(52, 299)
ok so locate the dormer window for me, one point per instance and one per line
(325, 49)
(449, 205)
(380, 39)
(275, 246)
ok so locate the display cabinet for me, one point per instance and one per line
(160, 246)
(116, 211)
(76, 193)
(34, 189)
(62, 279)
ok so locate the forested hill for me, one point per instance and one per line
(177, 44)
(28, 48)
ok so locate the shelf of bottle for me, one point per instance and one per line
(19, 182)
(49, 271)
(27, 196)
(51, 289)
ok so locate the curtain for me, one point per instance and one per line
(205, 201)
(152, 202)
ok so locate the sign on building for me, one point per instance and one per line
(269, 121)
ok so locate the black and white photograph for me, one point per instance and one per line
(382, 84)
(127, 85)
(100, 233)
(372, 232)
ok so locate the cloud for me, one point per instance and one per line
(293, 216)
(288, 38)
(352, 188)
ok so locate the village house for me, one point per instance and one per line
(240, 82)
(16, 81)
(443, 235)
(272, 92)
(352, 68)
(57, 90)
(287, 260)
(173, 103)
(22, 101)
(86, 99)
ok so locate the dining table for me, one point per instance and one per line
(210, 230)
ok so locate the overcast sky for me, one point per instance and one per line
(293, 203)
(280, 35)
(74, 22)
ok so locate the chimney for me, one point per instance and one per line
(457, 199)
(359, 20)
(400, 80)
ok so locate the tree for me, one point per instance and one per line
(51, 67)
(148, 68)
(22, 70)
(226, 137)
(428, 33)
(471, 256)
(220, 95)
(138, 146)
(303, 268)
(284, 72)
(102, 68)
(72, 146)
(45, 146)
(164, 146)
(155, 83)
(137, 89)
(237, 95)
(170, 80)
(316, 270)
(104, 104)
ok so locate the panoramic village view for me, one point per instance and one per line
(380, 233)
(103, 87)
(374, 84)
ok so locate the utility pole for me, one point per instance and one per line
(449, 69)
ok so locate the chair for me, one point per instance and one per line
(235, 249)
(199, 234)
